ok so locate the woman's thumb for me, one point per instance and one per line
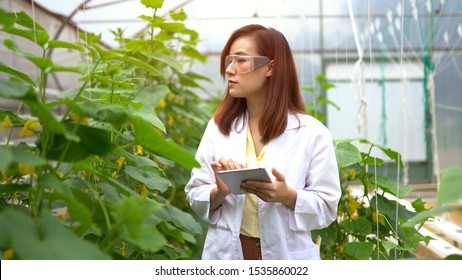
(278, 175)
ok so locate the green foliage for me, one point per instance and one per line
(103, 180)
(371, 215)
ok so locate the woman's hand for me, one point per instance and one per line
(277, 191)
(218, 194)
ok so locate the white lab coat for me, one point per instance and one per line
(304, 153)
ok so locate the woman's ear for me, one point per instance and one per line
(269, 69)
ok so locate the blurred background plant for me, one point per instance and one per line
(103, 179)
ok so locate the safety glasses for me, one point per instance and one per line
(242, 64)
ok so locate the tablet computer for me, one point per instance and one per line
(234, 178)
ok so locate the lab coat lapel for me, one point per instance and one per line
(275, 145)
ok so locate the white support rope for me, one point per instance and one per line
(357, 78)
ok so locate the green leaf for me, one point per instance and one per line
(151, 138)
(392, 154)
(152, 119)
(347, 154)
(76, 209)
(149, 178)
(170, 61)
(12, 72)
(193, 53)
(6, 18)
(360, 227)
(12, 188)
(149, 239)
(179, 218)
(172, 26)
(388, 207)
(359, 250)
(115, 114)
(47, 240)
(436, 211)
(65, 45)
(141, 161)
(93, 141)
(310, 89)
(450, 189)
(178, 15)
(130, 215)
(391, 186)
(49, 121)
(7, 157)
(31, 30)
(15, 90)
(134, 61)
(155, 4)
(21, 154)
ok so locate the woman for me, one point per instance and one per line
(261, 122)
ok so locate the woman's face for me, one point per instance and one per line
(251, 84)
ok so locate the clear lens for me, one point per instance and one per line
(243, 64)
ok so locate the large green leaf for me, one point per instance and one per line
(130, 215)
(76, 209)
(398, 190)
(46, 240)
(359, 250)
(178, 217)
(347, 154)
(450, 189)
(388, 207)
(62, 44)
(170, 61)
(148, 177)
(150, 137)
(15, 73)
(23, 154)
(32, 30)
(93, 141)
(15, 90)
(392, 154)
(111, 113)
(49, 121)
(361, 227)
(433, 212)
(7, 157)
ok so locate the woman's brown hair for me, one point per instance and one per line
(283, 87)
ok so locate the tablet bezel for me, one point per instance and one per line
(234, 178)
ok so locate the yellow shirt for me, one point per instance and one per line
(249, 225)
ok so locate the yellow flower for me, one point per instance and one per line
(122, 250)
(171, 120)
(79, 119)
(27, 129)
(139, 150)
(142, 190)
(353, 205)
(114, 174)
(8, 254)
(162, 103)
(61, 175)
(26, 169)
(6, 123)
(352, 173)
(120, 161)
(16, 197)
(181, 140)
(375, 215)
(6, 178)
